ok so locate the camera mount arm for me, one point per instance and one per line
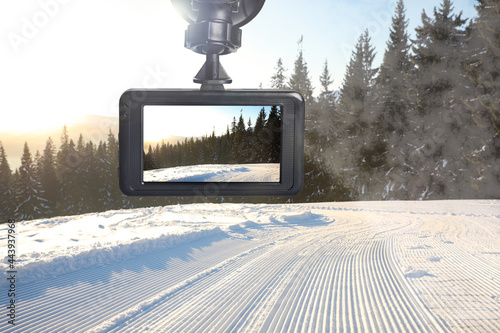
(214, 30)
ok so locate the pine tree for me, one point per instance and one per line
(299, 80)
(31, 203)
(164, 152)
(93, 185)
(149, 160)
(393, 78)
(327, 97)
(372, 153)
(278, 79)
(84, 177)
(37, 160)
(48, 176)
(102, 171)
(15, 190)
(438, 53)
(321, 121)
(394, 110)
(483, 71)
(357, 116)
(239, 149)
(252, 153)
(118, 199)
(66, 161)
(223, 147)
(260, 121)
(273, 129)
(356, 95)
(7, 195)
(62, 154)
(259, 137)
(320, 184)
(70, 192)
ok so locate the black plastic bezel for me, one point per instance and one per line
(132, 103)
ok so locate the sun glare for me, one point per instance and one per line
(38, 122)
(162, 122)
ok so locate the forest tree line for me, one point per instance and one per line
(425, 124)
(241, 143)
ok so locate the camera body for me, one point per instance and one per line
(176, 142)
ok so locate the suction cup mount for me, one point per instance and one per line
(214, 30)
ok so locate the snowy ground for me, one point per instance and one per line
(259, 172)
(324, 267)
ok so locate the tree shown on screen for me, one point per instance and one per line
(240, 144)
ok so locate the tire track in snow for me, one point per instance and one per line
(252, 277)
(158, 299)
(339, 277)
(177, 306)
(319, 262)
(87, 305)
(91, 296)
(456, 285)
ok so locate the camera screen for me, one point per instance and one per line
(206, 143)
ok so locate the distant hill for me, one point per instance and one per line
(94, 128)
(173, 139)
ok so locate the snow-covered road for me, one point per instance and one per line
(257, 172)
(332, 267)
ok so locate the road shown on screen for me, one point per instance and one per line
(258, 172)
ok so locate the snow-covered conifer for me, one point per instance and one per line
(439, 52)
(299, 79)
(278, 78)
(394, 110)
(30, 201)
(357, 115)
(483, 71)
(7, 194)
(48, 177)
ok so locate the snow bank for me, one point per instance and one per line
(64, 244)
(102, 253)
(60, 245)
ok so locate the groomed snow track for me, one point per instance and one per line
(295, 268)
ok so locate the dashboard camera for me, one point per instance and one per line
(211, 143)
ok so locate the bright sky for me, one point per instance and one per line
(64, 58)
(162, 121)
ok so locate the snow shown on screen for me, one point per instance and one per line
(258, 172)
